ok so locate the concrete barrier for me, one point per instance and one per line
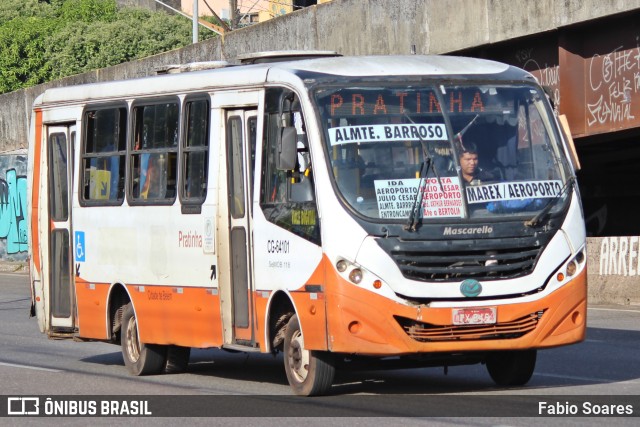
(614, 270)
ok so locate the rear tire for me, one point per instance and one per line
(177, 359)
(511, 368)
(139, 358)
(309, 372)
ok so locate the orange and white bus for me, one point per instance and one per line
(420, 210)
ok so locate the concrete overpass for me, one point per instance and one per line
(588, 52)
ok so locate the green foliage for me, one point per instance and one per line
(88, 10)
(46, 40)
(11, 9)
(22, 59)
(214, 20)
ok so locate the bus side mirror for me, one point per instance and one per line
(287, 149)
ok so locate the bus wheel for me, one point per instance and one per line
(309, 372)
(177, 359)
(139, 358)
(511, 368)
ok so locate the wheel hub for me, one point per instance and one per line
(298, 357)
(133, 345)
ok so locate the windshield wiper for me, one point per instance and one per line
(458, 136)
(424, 166)
(536, 220)
(417, 202)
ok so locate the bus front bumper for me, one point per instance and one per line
(362, 322)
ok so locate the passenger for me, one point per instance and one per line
(153, 186)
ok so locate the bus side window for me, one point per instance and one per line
(195, 152)
(103, 156)
(287, 197)
(154, 155)
(275, 181)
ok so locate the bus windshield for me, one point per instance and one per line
(445, 151)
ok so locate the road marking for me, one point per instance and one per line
(588, 379)
(613, 309)
(35, 368)
(571, 377)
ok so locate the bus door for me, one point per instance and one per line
(61, 304)
(240, 134)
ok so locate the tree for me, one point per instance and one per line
(22, 59)
(11, 9)
(46, 40)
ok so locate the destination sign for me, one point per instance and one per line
(363, 102)
(385, 133)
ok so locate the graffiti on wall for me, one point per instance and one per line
(547, 74)
(13, 211)
(619, 256)
(13, 207)
(614, 79)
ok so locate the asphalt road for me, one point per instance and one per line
(240, 385)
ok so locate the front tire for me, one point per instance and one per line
(139, 358)
(309, 372)
(511, 368)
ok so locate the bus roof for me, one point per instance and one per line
(252, 75)
(407, 65)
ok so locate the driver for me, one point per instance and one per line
(472, 174)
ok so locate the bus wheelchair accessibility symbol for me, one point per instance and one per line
(79, 240)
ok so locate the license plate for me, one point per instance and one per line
(474, 316)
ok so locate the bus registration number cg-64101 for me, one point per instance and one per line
(474, 316)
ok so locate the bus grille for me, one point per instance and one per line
(480, 262)
(425, 332)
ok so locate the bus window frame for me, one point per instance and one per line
(83, 154)
(131, 151)
(193, 204)
(284, 204)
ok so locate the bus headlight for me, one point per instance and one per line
(356, 276)
(571, 268)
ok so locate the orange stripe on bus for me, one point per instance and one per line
(311, 308)
(166, 315)
(184, 316)
(92, 311)
(35, 192)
